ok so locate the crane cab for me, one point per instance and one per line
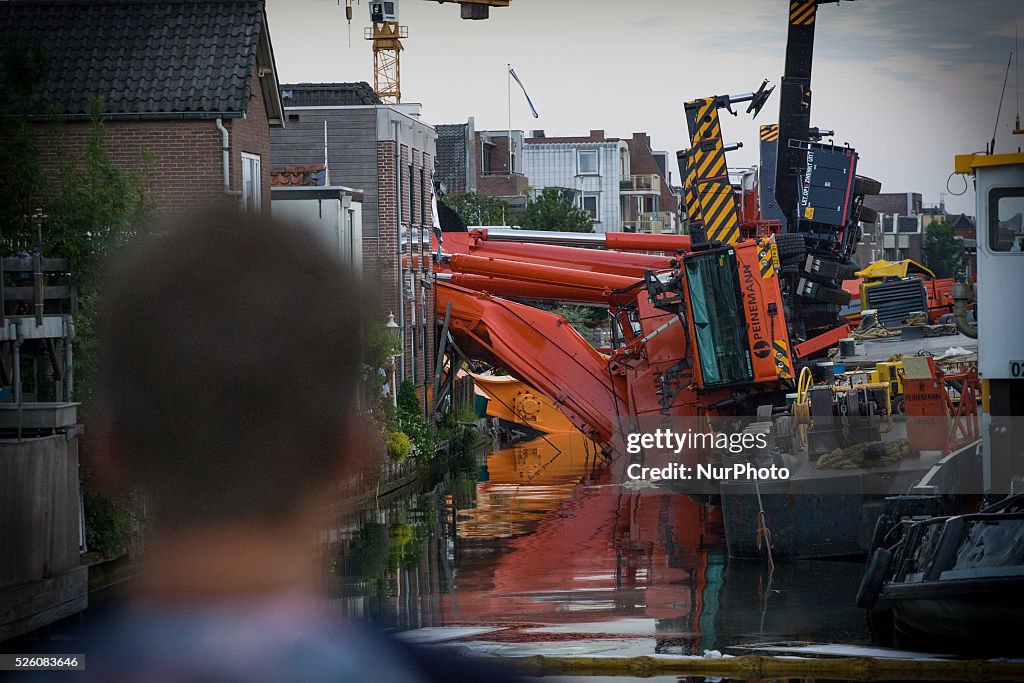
(381, 12)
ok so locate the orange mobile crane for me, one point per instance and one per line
(700, 330)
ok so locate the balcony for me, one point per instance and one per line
(653, 223)
(641, 184)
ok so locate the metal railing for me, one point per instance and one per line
(649, 183)
(653, 223)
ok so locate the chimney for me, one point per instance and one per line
(597, 135)
(538, 134)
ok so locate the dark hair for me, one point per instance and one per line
(230, 348)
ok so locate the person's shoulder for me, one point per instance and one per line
(271, 643)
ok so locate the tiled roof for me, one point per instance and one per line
(328, 94)
(144, 57)
(298, 176)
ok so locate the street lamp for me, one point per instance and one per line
(393, 327)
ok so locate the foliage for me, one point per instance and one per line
(84, 210)
(410, 421)
(551, 210)
(20, 169)
(942, 251)
(93, 208)
(478, 209)
(108, 522)
(588, 315)
(586, 320)
(398, 445)
(408, 401)
(380, 347)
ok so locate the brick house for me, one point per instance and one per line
(189, 91)
(470, 160)
(898, 233)
(388, 153)
(649, 212)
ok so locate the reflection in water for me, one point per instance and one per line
(538, 541)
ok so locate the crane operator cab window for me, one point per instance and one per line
(383, 11)
(717, 316)
(1006, 220)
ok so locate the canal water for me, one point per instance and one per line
(532, 550)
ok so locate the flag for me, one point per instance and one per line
(533, 109)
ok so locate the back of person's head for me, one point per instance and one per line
(229, 361)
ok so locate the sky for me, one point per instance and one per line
(908, 83)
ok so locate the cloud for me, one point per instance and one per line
(1009, 29)
(652, 22)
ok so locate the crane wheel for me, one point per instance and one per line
(791, 246)
(868, 215)
(863, 185)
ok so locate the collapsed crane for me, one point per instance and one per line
(700, 330)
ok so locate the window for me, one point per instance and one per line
(589, 203)
(412, 195)
(252, 187)
(1006, 220)
(717, 316)
(586, 161)
(423, 197)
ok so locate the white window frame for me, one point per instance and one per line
(596, 217)
(579, 161)
(252, 182)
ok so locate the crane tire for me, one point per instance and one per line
(863, 185)
(790, 245)
(868, 215)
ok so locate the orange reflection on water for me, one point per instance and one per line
(551, 540)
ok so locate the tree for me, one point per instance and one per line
(21, 176)
(942, 252)
(85, 210)
(551, 210)
(478, 209)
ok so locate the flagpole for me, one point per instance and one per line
(508, 79)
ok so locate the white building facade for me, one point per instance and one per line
(593, 171)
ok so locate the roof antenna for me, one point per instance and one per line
(1017, 130)
(999, 110)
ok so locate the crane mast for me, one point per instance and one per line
(387, 33)
(794, 105)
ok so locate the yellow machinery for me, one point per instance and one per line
(890, 372)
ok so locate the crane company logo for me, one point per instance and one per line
(762, 349)
(753, 305)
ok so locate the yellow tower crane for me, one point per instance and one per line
(386, 33)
